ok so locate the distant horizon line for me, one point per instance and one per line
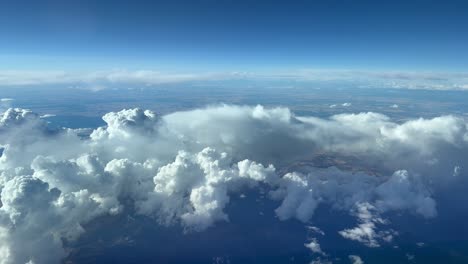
(430, 80)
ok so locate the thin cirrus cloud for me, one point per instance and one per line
(182, 170)
(364, 79)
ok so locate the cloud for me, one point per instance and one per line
(208, 176)
(314, 229)
(355, 259)
(410, 257)
(405, 191)
(98, 80)
(366, 231)
(183, 168)
(47, 116)
(5, 103)
(314, 246)
(320, 260)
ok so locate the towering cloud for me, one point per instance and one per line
(182, 169)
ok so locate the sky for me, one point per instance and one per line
(208, 35)
(391, 180)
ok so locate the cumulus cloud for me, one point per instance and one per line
(366, 231)
(457, 171)
(208, 176)
(314, 246)
(355, 259)
(184, 167)
(404, 191)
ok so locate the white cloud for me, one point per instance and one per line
(96, 81)
(182, 168)
(320, 260)
(47, 116)
(314, 229)
(355, 259)
(314, 246)
(99, 80)
(207, 177)
(366, 231)
(405, 191)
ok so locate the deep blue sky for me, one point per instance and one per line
(234, 35)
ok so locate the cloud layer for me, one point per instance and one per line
(98, 80)
(182, 169)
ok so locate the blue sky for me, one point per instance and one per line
(234, 35)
